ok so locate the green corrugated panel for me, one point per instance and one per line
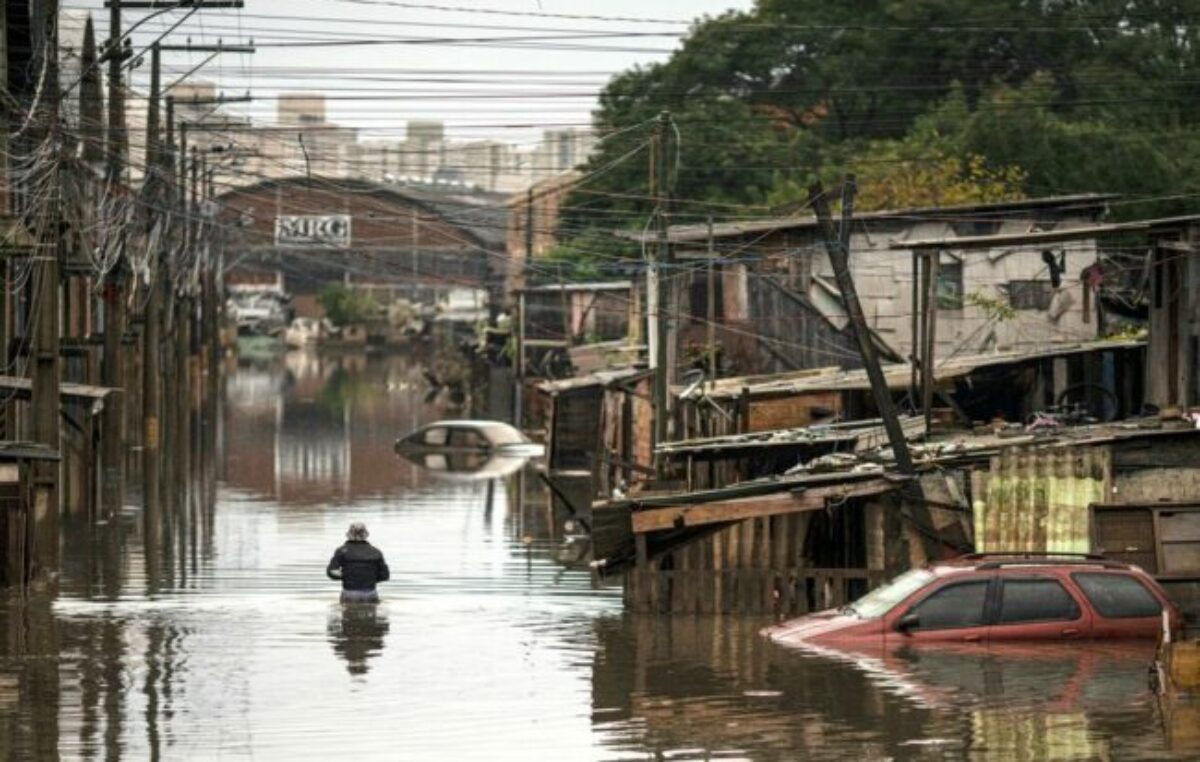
(1037, 500)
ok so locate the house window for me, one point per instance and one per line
(950, 286)
(1030, 294)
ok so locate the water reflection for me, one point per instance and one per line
(316, 428)
(357, 634)
(690, 688)
(217, 634)
(29, 680)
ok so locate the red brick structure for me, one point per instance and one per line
(314, 231)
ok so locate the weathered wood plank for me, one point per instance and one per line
(745, 508)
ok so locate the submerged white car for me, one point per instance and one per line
(468, 450)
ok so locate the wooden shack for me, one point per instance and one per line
(811, 540)
(599, 430)
(21, 500)
(1173, 374)
(768, 285)
(973, 387)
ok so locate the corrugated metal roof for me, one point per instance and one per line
(10, 451)
(870, 432)
(610, 285)
(22, 387)
(598, 378)
(692, 233)
(899, 375)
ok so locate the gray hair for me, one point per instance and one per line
(357, 532)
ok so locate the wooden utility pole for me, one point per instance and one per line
(112, 452)
(657, 291)
(518, 328)
(45, 313)
(712, 305)
(929, 338)
(91, 101)
(915, 330)
(837, 247)
(151, 337)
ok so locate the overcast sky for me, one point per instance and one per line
(487, 88)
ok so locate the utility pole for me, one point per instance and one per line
(151, 337)
(657, 291)
(929, 336)
(45, 401)
(519, 328)
(113, 446)
(712, 305)
(837, 247)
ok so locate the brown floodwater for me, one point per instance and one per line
(227, 641)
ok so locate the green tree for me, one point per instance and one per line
(344, 306)
(928, 101)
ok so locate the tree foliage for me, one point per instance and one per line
(344, 306)
(927, 101)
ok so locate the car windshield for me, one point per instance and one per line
(881, 600)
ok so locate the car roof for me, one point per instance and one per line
(1019, 559)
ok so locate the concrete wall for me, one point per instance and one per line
(884, 278)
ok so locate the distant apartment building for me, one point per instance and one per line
(302, 141)
(561, 150)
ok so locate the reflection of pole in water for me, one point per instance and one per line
(32, 638)
(488, 502)
(347, 462)
(278, 428)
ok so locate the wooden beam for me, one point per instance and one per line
(1023, 239)
(679, 517)
(1182, 247)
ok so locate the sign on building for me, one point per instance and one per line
(316, 230)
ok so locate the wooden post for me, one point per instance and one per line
(519, 326)
(151, 338)
(113, 446)
(840, 259)
(914, 351)
(45, 400)
(657, 288)
(929, 351)
(712, 306)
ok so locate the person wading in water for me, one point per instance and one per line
(359, 565)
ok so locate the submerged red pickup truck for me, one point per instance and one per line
(981, 598)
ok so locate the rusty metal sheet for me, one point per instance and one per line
(1037, 499)
(792, 411)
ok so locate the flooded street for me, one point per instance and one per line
(228, 642)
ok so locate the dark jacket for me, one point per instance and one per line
(359, 565)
